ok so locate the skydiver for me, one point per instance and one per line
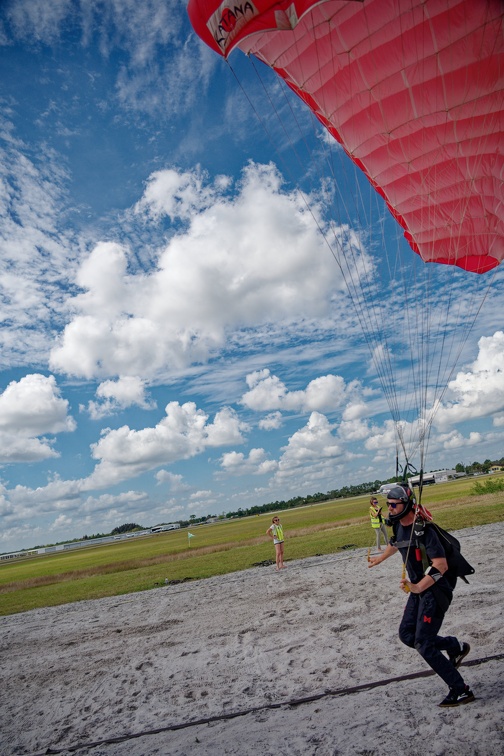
(426, 606)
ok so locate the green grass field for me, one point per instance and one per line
(145, 563)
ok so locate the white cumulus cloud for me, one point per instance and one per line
(246, 256)
(311, 443)
(272, 421)
(113, 396)
(183, 433)
(256, 463)
(175, 481)
(268, 392)
(29, 408)
(478, 392)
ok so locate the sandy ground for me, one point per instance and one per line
(228, 665)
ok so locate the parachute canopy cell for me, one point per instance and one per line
(414, 92)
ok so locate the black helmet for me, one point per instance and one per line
(404, 494)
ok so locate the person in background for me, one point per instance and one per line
(429, 596)
(275, 532)
(377, 522)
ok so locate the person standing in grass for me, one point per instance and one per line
(275, 532)
(377, 522)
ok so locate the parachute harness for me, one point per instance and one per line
(419, 512)
(405, 587)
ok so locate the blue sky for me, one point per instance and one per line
(176, 336)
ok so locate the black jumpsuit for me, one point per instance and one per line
(424, 614)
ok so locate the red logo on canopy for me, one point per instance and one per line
(228, 20)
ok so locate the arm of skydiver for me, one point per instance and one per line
(435, 571)
(389, 551)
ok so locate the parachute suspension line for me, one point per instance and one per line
(293, 115)
(467, 308)
(460, 313)
(382, 354)
(285, 165)
(430, 321)
(419, 295)
(262, 122)
(344, 254)
(347, 256)
(367, 308)
(454, 328)
(340, 248)
(427, 341)
(466, 332)
(486, 131)
(375, 334)
(431, 373)
(417, 324)
(420, 487)
(417, 320)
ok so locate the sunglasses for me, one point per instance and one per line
(393, 504)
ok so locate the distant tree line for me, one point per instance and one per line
(479, 467)
(302, 501)
(296, 501)
(128, 527)
(339, 493)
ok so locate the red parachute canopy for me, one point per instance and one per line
(412, 90)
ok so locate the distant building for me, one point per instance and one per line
(438, 476)
(163, 528)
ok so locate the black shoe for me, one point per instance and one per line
(457, 659)
(455, 699)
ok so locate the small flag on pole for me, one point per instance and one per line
(189, 536)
